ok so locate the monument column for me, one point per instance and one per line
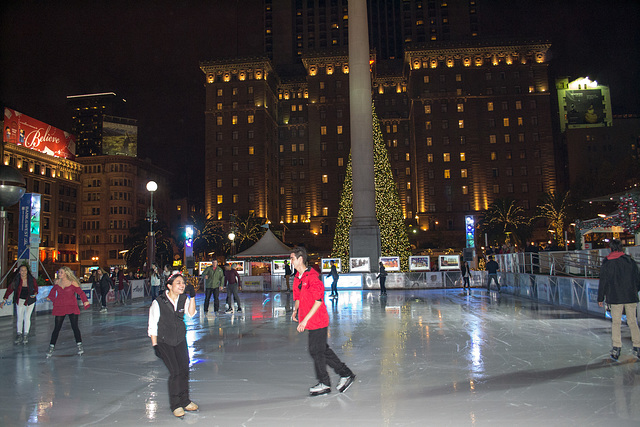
(364, 235)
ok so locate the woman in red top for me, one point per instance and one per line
(311, 315)
(26, 291)
(63, 295)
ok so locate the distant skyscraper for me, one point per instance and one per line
(88, 114)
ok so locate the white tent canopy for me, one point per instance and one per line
(269, 246)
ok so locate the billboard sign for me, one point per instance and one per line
(584, 107)
(119, 137)
(28, 224)
(21, 129)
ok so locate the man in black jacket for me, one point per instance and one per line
(619, 286)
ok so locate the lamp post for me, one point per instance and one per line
(12, 188)
(232, 237)
(151, 216)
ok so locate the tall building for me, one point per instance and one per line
(465, 121)
(89, 115)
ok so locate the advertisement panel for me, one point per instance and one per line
(119, 137)
(584, 107)
(359, 265)
(449, 262)
(419, 263)
(325, 264)
(21, 129)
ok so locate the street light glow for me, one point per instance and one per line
(152, 186)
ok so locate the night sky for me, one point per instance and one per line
(148, 52)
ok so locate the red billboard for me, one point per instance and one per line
(23, 130)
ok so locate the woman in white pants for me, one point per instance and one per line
(25, 290)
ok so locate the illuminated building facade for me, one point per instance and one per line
(465, 122)
(113, 198)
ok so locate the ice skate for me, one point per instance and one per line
(345, 383)
(50, 351)
(25, 339)
(18, 339)
(80, 349)
(319, 389)
(636, 352)
(615, 353)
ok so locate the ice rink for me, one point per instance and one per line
(422, 358)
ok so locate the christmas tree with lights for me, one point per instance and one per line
(393, 235)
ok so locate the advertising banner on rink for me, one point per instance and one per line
(21, 129)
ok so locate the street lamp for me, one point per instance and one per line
(232, 237)
(151, 217)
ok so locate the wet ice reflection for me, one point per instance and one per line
(442, 356)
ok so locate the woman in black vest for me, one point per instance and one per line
(168, 337)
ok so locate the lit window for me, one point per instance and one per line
(446, 157)
(339, 130)
(518, 105)
(219, 120)
(407, 157)
(505, 122)
(427, 109)
(323, 130)
(429, 141)
(282, 191)
(489, 106)
(250, 118)
(293, 107)
(507, 138)
(496, 189)
(395, 128)
(430, 158)
(465, 189)
(427, 125)
(463, 173)
(408, 185)
(219, 199)
(460, 124)
(325, 179)
(321, 86)
(407, 171)
(463, 157)
(325, 211)
(300, 147)
(531, 89)
(235, 198)
(251, 150)
(520, 121)
(460, 108)
(219, 183)
(340, 161)
(219, 92)
(494, 155)
(447, 173)
(281, 148)
(492, 139)
(219, 106)
(219, 215)
(234, 120)
(458, 77)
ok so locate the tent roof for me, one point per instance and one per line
(268, 246)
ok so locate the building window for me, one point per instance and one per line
(463, 173)
(407, 171)
(429, 158)
(219, 199)
(234, 120)
(219, 183)
(496, 189)
(339, 130)
(250, 118)
(463, 157)
(429, 141)
(323, 130)
(489, 106)
(340, 161)
(507, 138)
(235, 198)
(445, 124)
(460, 108)
(447, 173)
(325, 179)
(427, 109)
(465, 189)
(494, 155)
(251, 150)
(525, 187)
(505, 122)
(518, 105)
(219, 106)
(446, 157)
(325, 211)
(427, 125)
(460, 124)
(520, 121)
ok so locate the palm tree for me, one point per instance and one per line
(505, 217)
(554, 208)
(248, 230)
(209, 235)
(136, 243)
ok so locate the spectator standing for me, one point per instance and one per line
(213, 279)
(63, 295)
(466, 274)
(287, 274)
(154, 279)
(492, 273)
(119, 280)
(619, 286)
(103, 286)
(311, 314)
(25, 291)
(383, 278)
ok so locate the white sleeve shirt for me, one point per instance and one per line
(154, 315)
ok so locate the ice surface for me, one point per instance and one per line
(422, 357)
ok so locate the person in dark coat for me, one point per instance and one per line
(103, 285)
(334, 284)
(383, 278)
(25, 290)
(619, 286)
(466, 273)
(492, 273)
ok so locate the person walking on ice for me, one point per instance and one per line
(311, 314)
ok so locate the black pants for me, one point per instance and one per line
(383, 288)
(232, 289)
(322, 356)
(58, 325)
(176, 359)
(334, 287)
(465, 282)
(492, 278)
(207, 297)
(103, 297)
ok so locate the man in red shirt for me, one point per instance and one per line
(308, 294)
